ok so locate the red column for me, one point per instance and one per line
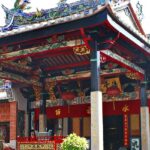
(13, 118)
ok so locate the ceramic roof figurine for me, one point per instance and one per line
(21, 4)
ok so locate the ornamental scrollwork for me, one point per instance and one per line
(16, 17)
(81, 50)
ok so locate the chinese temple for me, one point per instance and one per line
(80, 67)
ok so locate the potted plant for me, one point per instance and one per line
(74, 142)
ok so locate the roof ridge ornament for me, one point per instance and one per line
(21, 4)
(62, 10)
(140, 11)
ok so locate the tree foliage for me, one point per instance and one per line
(74, 142)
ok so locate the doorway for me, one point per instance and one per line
(113, 132)
(51, 125)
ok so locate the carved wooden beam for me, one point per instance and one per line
(18, 78)
(123, 62)
(16, 67)
(86, 74)
(38, 50)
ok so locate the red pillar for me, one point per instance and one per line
(13, 118)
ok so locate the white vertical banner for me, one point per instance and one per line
(96, 121)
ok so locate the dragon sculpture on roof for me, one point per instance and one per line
(17, 17)
(21, 4)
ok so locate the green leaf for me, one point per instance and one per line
(74, 142)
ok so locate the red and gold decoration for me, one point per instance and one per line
(37, 92)
(68, 95)
(49, 143)
(35, 146)
(123, 62)
(81, 50)
(133, 75)
(63, 111)
(112, 87)
(81, 93)
(50, 88)
(125, 111)
(58, 112)
(109, 84)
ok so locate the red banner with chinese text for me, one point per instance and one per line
(83, 110)
(126, 129)
(66, 111)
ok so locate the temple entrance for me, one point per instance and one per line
(52, 126)
(113, 132)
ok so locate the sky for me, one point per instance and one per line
(45, 4)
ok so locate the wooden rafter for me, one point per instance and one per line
(78, 64)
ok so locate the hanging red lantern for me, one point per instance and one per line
(68, 95)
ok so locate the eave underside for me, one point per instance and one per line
(58, 59)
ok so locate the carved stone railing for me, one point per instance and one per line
(86, 100)
(61, 102)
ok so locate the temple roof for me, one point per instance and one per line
(56, 45)
(17, 21)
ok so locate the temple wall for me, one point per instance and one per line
(22, 102)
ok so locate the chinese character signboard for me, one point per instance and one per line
(36, 146)
(126, 128)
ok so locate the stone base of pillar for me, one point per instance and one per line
(65, 126)
(96, 121)
(42, 123)
(145, 135)
(13, 144)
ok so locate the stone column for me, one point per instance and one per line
(144, 114)
(42, 115)
(65, 126)
(96, 121)
(42, 122)
(28, 115)
(96, 99)
(26, 125)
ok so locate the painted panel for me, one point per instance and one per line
(86, 127)
(76, 125)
